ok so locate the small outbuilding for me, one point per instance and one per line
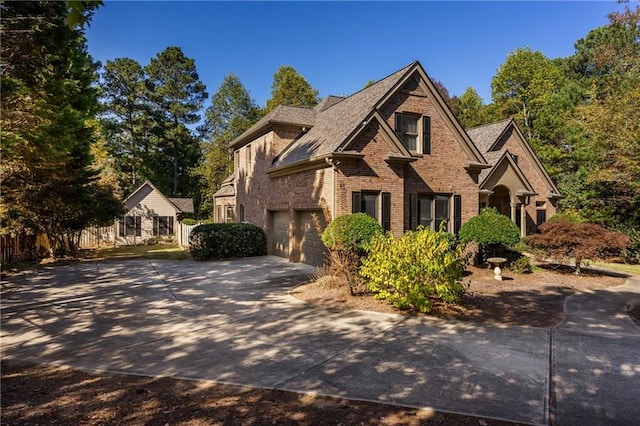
(151, 215)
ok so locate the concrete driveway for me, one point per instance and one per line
(234, 322)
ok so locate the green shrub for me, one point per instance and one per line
(492, 231)
(411, 270)
(224, 240)
(188, 221)
(521, 265)
(351, 232)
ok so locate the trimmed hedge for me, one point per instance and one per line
(351, 232)
(490, 228)
(225, 240)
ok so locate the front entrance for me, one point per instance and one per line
(501, 200)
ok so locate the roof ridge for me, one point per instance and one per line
(489, 124)
(344, 98)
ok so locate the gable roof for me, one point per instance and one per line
(282, 114)
(496, 158)
(336, 125)
(487, 137)
(182, 205)
(227, 189)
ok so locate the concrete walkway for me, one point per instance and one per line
(234, 322)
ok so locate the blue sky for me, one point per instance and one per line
(339, 46)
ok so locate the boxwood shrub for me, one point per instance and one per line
(351, 232)
(225, 240)
(493, 232)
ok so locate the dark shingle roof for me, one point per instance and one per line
(185, 205)
(227, 188)
(335, 123)
(281, 114)
(484, 137)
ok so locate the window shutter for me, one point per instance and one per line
(155, 225)
(398, 124)
(426, 134)
(355, 202)
(121, 227)
(138, 226)
(413, 211)
(170, 218)
(457, 213)
(386, 211)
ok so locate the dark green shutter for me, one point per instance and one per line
(355, 202)
(398, 124)
(386, 211)
(170, 225)
(138, 226)
(155, 225)
(457, 213)
(122, 227)
(413, 211)
(426, 134)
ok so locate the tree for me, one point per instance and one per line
(451, 101)
(290, 88)
(176, 95)
(471, 110)
(126, 124)
(231, 113)
(565, 240)
(48, 98)
(522, 85)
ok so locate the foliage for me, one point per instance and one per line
(290, 88)
(490, 230)
(522, 85)
(224, 240)
(564, 240)
(471, 109)
(176, 95)
(188, 221)
(351, 232)
(521, 265)
(48, 101)
(411, 270)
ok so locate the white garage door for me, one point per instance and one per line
(308, 241)
(279, 234)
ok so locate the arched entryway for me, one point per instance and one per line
(501, 200)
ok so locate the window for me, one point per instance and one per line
(162, 225)
(230, 215)
(367, 202)
(130, 226)
(432, 211)
(541, 212)
(219, 217)
(411, 129)
(236, 164)
(248, 162)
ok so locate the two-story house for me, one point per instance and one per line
(393, 150)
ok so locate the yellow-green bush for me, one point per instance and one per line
(413, 269)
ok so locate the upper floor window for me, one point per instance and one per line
(248, 158)
(414, 131)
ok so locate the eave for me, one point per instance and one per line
(473, 166)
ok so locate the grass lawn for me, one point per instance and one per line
(159, 251)
(620, 267)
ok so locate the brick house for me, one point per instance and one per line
(393, 150)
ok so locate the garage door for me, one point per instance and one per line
(279, 234)
(310, 247)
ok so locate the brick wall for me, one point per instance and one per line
(511, 142)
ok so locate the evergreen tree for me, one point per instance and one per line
(47, 99)
(176, 96)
